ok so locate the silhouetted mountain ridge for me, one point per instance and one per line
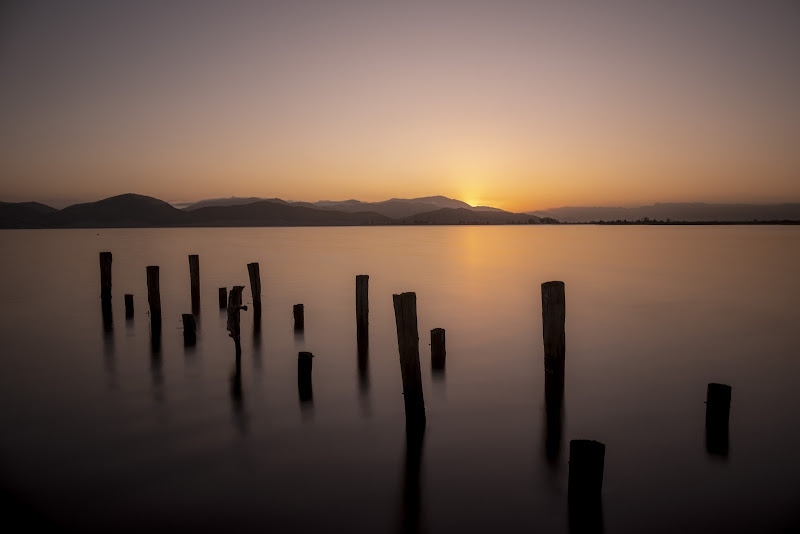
(678, 211)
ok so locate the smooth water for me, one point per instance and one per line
(99, 434)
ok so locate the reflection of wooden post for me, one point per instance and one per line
(194, 275)
(362, 305)
(234, 322)
(718, 408)
(255, 286)
(553, 317)
(223, 298)
(105, 275)
(405, 313)
(128, 306)
(299, 319)
(189, 329)
(304, 386)
(437, 349)
(586, 458)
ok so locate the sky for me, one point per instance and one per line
(516, 104)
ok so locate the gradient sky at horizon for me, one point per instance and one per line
(519, 105)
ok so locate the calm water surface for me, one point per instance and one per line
(99, 434)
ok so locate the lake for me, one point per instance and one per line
(101, 434)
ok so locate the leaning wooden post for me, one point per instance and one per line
(586, 458)
(299, 317)
(718, 408)
(234, 323)
(362, 305)
(255, 286)
(189, 330)
(223, 298)
(105, 275)
(128, 306)
(194, 275)
(438, 352)
(304, 385)
(405, 314)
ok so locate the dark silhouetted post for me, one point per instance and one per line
(718, 407)
(255, 286)
(586, 458)
(438, 352)
(299, 319)
(105, 275)
(362, 305)
(154, 300)
(128, 306)
(223, 298)
(234, 320)
(194, 275)
(304, 387)
(405, 314)
(189, 330)
(553, 316)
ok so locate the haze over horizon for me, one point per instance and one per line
(506, 104)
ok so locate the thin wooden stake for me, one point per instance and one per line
(586, 459)
(105, 275)
(255, 286)
(553, 318)
(438, 352)
(189, 330)
(223, 298)
(299, 317)
(234, 321)
(718, 408)
(405, 313)
(128, 305)
(362, 305)
(304, 385)
(194, 275)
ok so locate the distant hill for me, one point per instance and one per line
(24, 214)
(466, 216)
(270, 213)
(232, 201)
(121, 211)
(689, 212)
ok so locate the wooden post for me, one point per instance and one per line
(128, 306)
(438, 352)
(234, 322)
(105, 275)
(154, 300)
(194, 275)
(586, 458)
(405, 313)
(255, 286)
(189, 330)
(304, 386)
(362, 305)
(223, 298)
(299, 318)
(553, 316)
(718, 407)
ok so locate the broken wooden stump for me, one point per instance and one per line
(223, 298)
(586, 458)
(718, 407)
(189, 330)
(405, 313)
(304, 386)
(194, 275)
(128, 306)
(255, 287)
(438, 352)
(553, 317)
(299, 317)
(234, 319)
(362, 305)
(105, 275)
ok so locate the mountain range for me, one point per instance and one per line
(682, 211)
(138, 211)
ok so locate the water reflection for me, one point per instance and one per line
(363, 375)
(257, 342)
(157, 375)
(304, 385)
(108, 338)
(554, 410)
(237, 397)
(411, 516)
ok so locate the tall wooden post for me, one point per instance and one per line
(255, 286)
(154, 300)
(586, 459)
(299, 317)
(405, 313)
(223, 298)
(362, 305)
(234, 320)
(718, 408)
(304, 385)
(438, 352)
(128, 306)
(553, 318)
(189, 329)
(194, 275)
(105, 275)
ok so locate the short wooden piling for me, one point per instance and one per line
(223, 298)
(194, 275)
(189, 330)
(586, 459)
(438, 352)
(553, 318)
(304, 385)
(234, 319)
(154, 294)
(718, 407)
(128, 306)
(362, 305)
(105, 275)
(405, 313)
(299, 317)
(255, 286)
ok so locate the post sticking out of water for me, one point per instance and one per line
(304, 386)
(438, 352)
(154, 295)
(718, 407)
(586, 458)
(405, 314)
(223, 298)
(255, 287)
(194, 275)
(189, 330)
(234, 323)
(128, 306)
(362, 305)
(105, 275)
(299, 318)
(553, 317)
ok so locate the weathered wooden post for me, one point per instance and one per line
(223, 298)
(718, 407)
(128, 305)
(194, 275)
(362, 305)
(405, 314)
(234, 320)
(586, 458)
(304, 386)
(255, 287)
(438, 352)
(189, 329)
(105, 275)
(154, 295)
(553, 318)
(299, 318)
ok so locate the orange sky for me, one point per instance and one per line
(513, 104)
